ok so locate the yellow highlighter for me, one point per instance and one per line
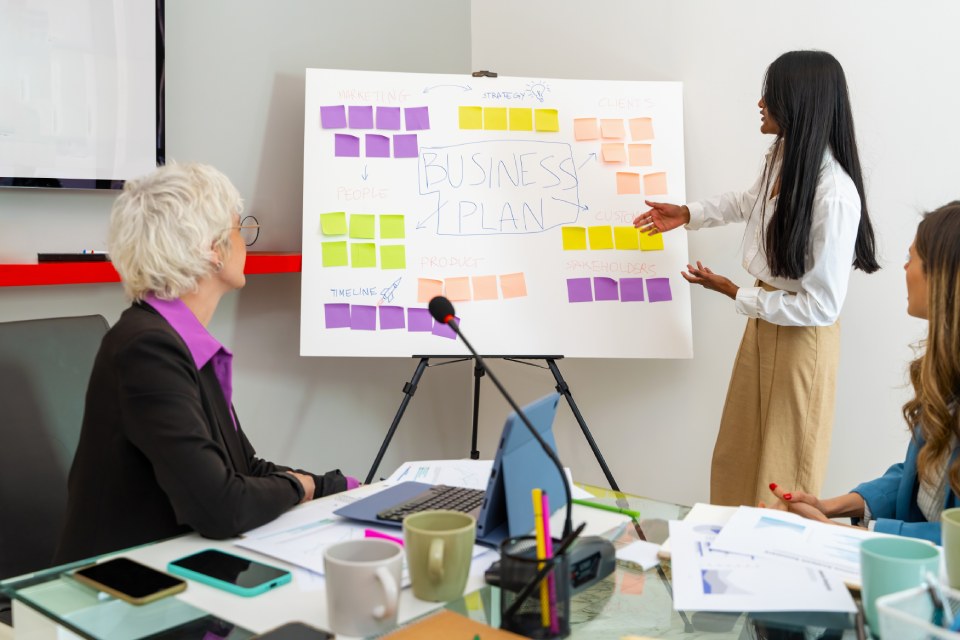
(537, 496)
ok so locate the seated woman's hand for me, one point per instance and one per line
(798, 502)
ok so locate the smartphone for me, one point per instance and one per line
(295, 631)
(129, 580)
(240, 576)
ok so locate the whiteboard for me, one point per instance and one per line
(513, 197)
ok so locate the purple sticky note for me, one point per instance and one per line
(360, 117)
(405, 145)
(337, 316)
(333, 117)
(444, 330)
(658, 290)
(579, 290)
(391, 318)
(631, 289)
(377, 146)
(363, 317)
(419, 320)
(388, 118)
(417, 118)
(605, 289)
(346, 146)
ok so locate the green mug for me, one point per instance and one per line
(891, 564)
(439, 546)
(950, 533)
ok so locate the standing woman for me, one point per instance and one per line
(806, 224)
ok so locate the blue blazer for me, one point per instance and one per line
(892, 499)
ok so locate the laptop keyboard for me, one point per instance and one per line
(437, 497)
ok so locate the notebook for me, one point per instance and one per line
(506, 508)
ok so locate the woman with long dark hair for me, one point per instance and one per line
(806, 226)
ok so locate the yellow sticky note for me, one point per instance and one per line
(612, 128)
(601, 237)
(485, 288)
(428, 289)
(471, 118)
(457, 288)
(628, 182)
(574, 238)
(641, 128)
(495, 118)
(626, 238)
(362, 225)
(363, 255)
(641, 155)
(333, 224)
(613, 152)
(521, 119)
(513, 285)
(334, 254)
(655, 184)
(393, 256)
(651, 243)
(391, 227)
(547, 119)
(585, 129)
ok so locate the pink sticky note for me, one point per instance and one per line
(363, 317)
(388, 118)
(579, 290)
(444, 330)
(457, 288)
(605, 289)
(585, 129)
(391, 317)
(336, 316)
(658, 290)
(613, 152)
(405, 145)
(612, 128)
(641, 128)
(628, 182)
(631, 289)
(419, 320)
(377, 146)
(360, 117)
(640, 155)
(346, 146)
(655, 184)
(428, 289)
(333, 117)
(417, 118)
(514, 285)
(485, 288)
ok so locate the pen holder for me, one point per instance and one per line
(544, 611)
(909, 615)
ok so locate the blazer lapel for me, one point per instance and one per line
(221, 417)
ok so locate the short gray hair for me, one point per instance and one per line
(164, 225)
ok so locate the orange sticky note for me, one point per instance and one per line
(457, 288)
(613, 152)
(612, 128)
(651, 243)
(428, 289)
(641, 128)
(521, 119)
(626, 238)
(495, 118)
(628, 182)
(485, 288)
(574, 238)
(547, 119)
(471, 118)
(641, 155)
(513, 285)
(585, 129)
(600, 237)
(655, 184)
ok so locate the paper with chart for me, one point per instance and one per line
(512, 197)
(707, 579)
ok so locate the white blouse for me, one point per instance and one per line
(817, 297)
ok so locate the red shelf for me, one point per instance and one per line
(52, 273)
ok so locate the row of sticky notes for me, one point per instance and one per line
(375, 145)
(361, 117)
(509, 119)
(363, 255)
(654, 184)
(512, 285)
(639, 155)
(363, 317)
(607, 237)
(612, 128)
(362, 225)
(599, 289)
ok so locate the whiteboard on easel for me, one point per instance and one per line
(513, 197)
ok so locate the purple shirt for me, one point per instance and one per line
(203, 347)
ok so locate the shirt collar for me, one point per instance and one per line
(201, 344)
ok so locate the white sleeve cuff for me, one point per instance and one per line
(748, 301)
(696, 216)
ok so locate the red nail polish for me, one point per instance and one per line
(788, 496)
(773, 485)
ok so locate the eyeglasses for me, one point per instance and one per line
(249, 230)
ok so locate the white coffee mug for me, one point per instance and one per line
(363, 586)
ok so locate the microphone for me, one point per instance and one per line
(442, 311)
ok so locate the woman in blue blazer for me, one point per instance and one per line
(909, 498)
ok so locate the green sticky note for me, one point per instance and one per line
(626, 237)
(333, 224)
(521, 119)
(601, 237)
(471, 117)
(547, 120)
(393, 256)
(334, 254)
(391, 226)
(362, 225)
(574, 238)
(363, 254)
(651, 243)
(495, 118)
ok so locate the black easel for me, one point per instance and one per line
(409, 388)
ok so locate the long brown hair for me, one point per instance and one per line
(935, 373)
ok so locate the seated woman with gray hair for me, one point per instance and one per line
(161, 449)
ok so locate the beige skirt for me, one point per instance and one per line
(778, 416)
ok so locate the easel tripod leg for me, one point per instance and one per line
(409, 389)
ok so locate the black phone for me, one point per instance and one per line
(242, 576)
(129, 580)
(295, 631)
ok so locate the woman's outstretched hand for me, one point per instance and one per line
(661, 217)
(798, 502)
(709, 280)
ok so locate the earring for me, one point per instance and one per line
(219, 267)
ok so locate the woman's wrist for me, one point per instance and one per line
(846, 506)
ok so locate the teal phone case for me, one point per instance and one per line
(229, 586)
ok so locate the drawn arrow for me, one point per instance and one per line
(582, 207)
(592, 155)
(422, 224)
(464, 87)
(364, 175)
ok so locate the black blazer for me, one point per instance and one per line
(159, 455)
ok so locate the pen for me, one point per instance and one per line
(942, 615)
(551, 584)
(370, 533)
(606, 507)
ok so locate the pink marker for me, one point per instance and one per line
(370, 533)
(551, 585)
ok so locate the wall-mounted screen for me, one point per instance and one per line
(81, 92)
